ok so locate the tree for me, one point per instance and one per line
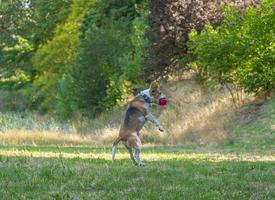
(15, 46)
(53, 59)
(110, 55)
(170, 21)
(240, 51)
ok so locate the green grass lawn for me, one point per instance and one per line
(51, 172)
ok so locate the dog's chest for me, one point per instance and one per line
(145, 95)
(147, 106)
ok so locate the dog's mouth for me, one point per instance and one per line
(163, 101)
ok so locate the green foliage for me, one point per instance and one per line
(240, 51)
(25, 25)
(69, 54)
(14, 20)
(54, 59)
(46, 16)
(15, 46)
(15, 64)
(170, 22)
(132, 61)
(92, 69)
(110, 56)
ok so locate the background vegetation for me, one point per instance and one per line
(72, 57)
(68, 67)
(240, 51)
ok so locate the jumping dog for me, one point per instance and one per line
(138, 112)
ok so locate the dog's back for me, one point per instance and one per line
(134, 119)
(133, 122)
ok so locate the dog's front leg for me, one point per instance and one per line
(154, 120)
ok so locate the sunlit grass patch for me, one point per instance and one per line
(52, 172)
(105, 154)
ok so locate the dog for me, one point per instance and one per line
(138, 112)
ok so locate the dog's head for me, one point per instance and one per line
(157, 94)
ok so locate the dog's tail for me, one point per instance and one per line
(115, 147)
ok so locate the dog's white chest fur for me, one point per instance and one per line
(147, 93)
(147, 105)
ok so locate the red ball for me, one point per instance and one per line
(163, 101)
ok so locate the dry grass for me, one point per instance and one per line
(193, 115)
(205, 116)
(24, 137)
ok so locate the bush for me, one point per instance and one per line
(240, 51)
(53, 60)
(110, 56)
(170, 22)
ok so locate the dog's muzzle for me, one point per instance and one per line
(163, 101)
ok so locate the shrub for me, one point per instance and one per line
(240, 51)
(110, 57)
(170, 22)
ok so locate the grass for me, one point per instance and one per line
(256, 131)
(190, 117)
(52, 172)
(210, 150)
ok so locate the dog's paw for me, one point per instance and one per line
(161, 129)
(141, 164)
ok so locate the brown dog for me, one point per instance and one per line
(137, 114)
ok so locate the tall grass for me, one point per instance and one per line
(256, 130)
(31, 121)
(193, 115)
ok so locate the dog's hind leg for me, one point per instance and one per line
(137, 152)
(131, 154)
(114, 148)
(134, 143)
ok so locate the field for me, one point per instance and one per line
(196, 158)
(82, 172)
